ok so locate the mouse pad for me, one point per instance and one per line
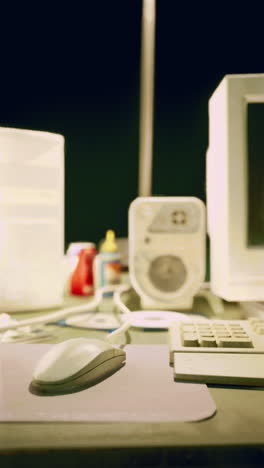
(141, 391)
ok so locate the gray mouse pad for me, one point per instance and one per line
(141, 391)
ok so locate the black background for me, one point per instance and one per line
(74, 69)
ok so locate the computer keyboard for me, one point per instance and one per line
(218, 351)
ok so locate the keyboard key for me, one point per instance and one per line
(190, 339)
(208, 342)
(207, 334)
(257, 325)
(240, 335)
(223, 335)
(188, 328)
(235, 326)
(254, 321)
(222, 330)
(235, 343)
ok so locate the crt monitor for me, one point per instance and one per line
(235, 188)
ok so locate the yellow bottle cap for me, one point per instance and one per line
(109, 245)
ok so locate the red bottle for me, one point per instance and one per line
(82, 281)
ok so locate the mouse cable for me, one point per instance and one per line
(215, 302)
(118, 290)
(65, 312)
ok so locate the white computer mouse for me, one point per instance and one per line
(75, 364)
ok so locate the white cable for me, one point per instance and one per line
(123, 328)
(214, 301)
(117, 298)
(126, 311)
(60, 314)
(142, 318)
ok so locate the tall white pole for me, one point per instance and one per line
(147, 97)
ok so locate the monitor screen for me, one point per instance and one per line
(255, 174)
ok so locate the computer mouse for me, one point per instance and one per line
(75, 364)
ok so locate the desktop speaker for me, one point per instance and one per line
(167, 250)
